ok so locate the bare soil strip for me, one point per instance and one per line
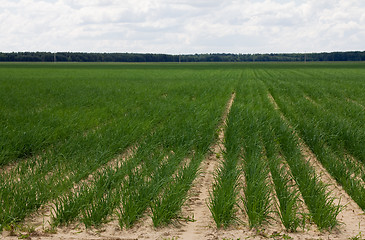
(10, 167)
(275, 221)
(302, 207)
(359, 166)
(202, 227)
(351, 217)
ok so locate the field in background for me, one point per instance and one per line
(96, 143)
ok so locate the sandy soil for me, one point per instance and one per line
(8, 168)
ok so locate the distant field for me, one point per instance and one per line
(144, 146)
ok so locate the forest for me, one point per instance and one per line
(150, 57)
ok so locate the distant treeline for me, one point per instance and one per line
(147, 57)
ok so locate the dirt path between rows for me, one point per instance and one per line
(204, 227)
(11, 167)
(8, 168)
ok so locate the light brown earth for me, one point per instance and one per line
(203, 226)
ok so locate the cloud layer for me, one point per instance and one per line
(182, 26)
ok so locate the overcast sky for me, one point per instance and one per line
(182, 26)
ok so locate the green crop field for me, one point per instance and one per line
(94, 143)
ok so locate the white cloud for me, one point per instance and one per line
(182, 26)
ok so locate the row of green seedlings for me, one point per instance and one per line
(162, 192)
(289, 205)
(345, 122)
(166, 208)
(334, 158)
(139, 194)
(56, 134)
(70, 159)
(54, 172)
(223, 198)
(37, 181)
(257, 201)
(260, 134)
(70, 206)
(129, 190)
(72, 166)
(73, 159)
(18, 199)
(324, 135)
(151, 181)
(256, 191)
(317, 197)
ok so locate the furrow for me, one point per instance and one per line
(276, 223)
(294, 188)
(199, 228)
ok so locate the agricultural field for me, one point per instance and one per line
(182, 151)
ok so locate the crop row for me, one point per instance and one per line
(331, 126)
(265, 144)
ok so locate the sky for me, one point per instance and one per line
(182, 26)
